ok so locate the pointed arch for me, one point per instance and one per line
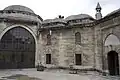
(16, 44)
(111, 39)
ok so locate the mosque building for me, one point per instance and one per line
(79, 40)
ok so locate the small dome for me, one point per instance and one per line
(57, 22)
(19, 8)
(79, 16)
(54, 20)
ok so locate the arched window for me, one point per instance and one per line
(77, 38)
(48, 39)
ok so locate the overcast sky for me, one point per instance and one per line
(49, 9)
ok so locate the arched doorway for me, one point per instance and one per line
(17, 49)
(113, 63)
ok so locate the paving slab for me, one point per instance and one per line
(33, 74)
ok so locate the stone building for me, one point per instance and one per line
(79, 40)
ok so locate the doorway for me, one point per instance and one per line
(17, 49)
(78, 59)
(113, 63)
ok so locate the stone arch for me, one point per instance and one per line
(8, 29)
(110, 46)
(23, 26)
(111, 39)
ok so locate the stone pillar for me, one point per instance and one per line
(36, 54)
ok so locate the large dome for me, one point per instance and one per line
(18, 12)
(19, 8)
(79, 16)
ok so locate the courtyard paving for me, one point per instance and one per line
(32, 74)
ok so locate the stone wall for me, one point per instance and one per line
(102, 31)
(63, 47)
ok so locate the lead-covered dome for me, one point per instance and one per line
(79, 19)
(57, 22)
(19, 8)
(54, 20)
(19, 13)
(79, 16)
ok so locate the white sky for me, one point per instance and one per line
(49, 9)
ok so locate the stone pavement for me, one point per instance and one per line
(51, 75)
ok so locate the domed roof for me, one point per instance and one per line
(79, 16)
(19, 8)
(54, 20)
(18, 12)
